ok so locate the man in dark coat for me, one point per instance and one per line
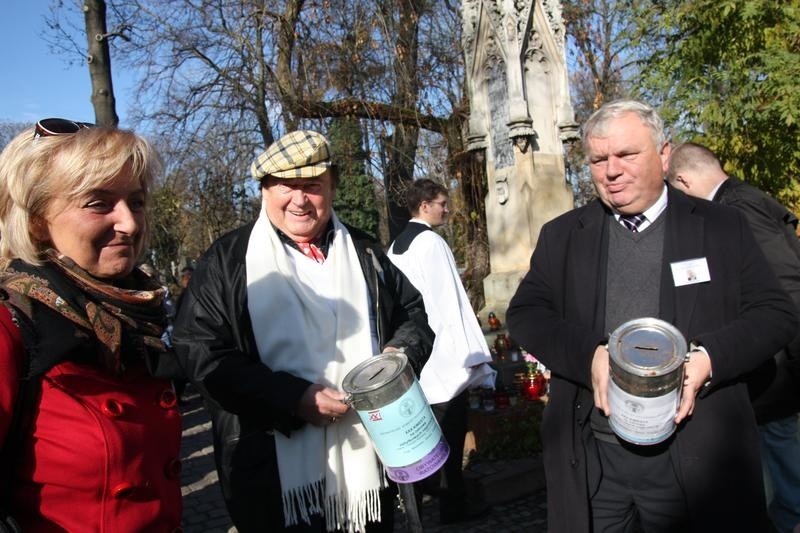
(775, 386)
(277, 313)
(689, 262)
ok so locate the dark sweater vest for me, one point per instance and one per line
(633, 284)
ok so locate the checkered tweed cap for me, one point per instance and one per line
(300, 154)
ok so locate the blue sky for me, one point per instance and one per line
(37, 83)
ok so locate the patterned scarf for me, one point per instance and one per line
(122, 325)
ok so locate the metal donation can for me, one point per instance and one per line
(385, 393)
(646, 357)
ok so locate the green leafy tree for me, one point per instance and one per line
(726, 76)
(356, 202)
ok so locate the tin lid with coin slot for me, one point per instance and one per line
(377, 381)
(647, 347)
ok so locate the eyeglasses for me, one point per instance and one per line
(48, 127)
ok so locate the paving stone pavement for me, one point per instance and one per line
(204, 510)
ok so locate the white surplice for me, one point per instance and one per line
(460, 352)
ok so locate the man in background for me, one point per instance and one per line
(460, 354)
(775, 387)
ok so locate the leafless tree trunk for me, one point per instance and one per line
(401, 145)
(471, 175)
(99, 60)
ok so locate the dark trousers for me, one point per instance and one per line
(452, 417)
(252, 515)
(638, 491)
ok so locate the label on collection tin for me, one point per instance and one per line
(403, 431)
(642, 420)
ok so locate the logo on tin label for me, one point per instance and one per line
(401, 475)
(407, 408)
(375, 416)
(634, 407)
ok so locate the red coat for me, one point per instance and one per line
(102, 453)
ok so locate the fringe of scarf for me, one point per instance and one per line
(345, 511)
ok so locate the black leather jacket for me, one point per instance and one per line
(213, 338)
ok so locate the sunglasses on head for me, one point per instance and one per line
(48, 127)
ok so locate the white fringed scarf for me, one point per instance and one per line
(332, 469)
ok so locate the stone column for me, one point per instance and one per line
(520, 117)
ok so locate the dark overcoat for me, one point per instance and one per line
(741, 317)
(775, 386)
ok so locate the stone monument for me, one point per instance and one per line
(520, 118)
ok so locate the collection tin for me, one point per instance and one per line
(385, 393)
(647, 358)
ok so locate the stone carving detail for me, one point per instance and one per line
(495, 12)
(494, 55)
(552, 8)
(514, 43)
(501, 187)
(511, 30)
(535, 53)
(470, 12)
(523, 10)
(502, 151)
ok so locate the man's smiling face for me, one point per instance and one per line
(300, 207)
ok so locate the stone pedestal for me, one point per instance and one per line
(537, 192)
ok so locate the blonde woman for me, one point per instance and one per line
(90, 436)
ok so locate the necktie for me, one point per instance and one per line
(311, 251)
(632, 222)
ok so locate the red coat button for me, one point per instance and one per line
(123, 490)
(111, 408)
(168, 399)
(173, 469)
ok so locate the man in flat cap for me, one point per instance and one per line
(277, 313)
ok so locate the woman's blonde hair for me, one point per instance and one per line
(35, 172)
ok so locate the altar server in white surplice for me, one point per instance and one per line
(460, 353)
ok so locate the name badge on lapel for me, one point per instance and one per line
(690, 271)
